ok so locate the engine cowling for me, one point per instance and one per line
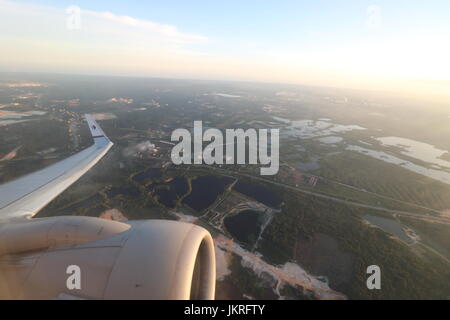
(153, 259)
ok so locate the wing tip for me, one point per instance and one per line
(99, 136)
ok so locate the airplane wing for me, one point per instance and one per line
(25, 196)
(76, 257)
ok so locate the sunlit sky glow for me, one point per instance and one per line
(387, 45)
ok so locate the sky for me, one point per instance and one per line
(400, 45)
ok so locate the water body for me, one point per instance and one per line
(245, 226)
(19, 115)
(331, 140)
(259, 193)
(166, 197)
(168, 193)
(205, 190)
(8, 122)
(306, 129)
(149, 174)
(435, 174)
(179, 185)
(313, 164)
(388, 225)
(225, 95)
(418, 150)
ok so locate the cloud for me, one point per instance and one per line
(38, 38)
(43, 38)
(47, 22)
(150, 26)
(145, 147)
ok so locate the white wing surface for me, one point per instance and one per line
(25, 196)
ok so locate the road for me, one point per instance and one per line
(329, 197)
(324, 196)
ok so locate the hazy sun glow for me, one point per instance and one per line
(385, 46)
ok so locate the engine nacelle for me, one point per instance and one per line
(153, 259)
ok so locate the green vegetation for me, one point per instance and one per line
(436, 235)
(385, 179)
(359, 196)
(405, 274)
(325, 237)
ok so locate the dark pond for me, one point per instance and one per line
(245, 226)
(179, 185)
(153, 186)
(388, 225)
(149, 174)
(168, 193)
(259, 192)
(167, 197)
(205, 191)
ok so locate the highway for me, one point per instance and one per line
(332, 198)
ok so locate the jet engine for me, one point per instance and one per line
(91, 258)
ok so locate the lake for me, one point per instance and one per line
(205, 191)
(245, 226)
(259, 193)
(388, 225)
(170, 192)
(149, 174)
